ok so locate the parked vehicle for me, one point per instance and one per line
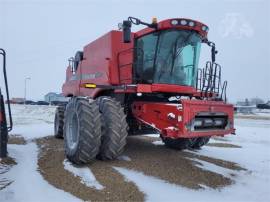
(149, 82)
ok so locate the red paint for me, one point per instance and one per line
(108, 61)
(109, 55)
(156, 114)
(103, 55)
(168, 88)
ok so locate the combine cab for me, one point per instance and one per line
(127, 83)
(4, 127)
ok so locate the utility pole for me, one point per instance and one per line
(27, 78)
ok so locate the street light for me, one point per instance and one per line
(27, 78)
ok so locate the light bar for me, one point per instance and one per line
(174, 22)
(183, 22)
(204, 28)
(189, 23)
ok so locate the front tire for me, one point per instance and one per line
(82, 130)
(199, 142)
(178, 144)
(114, 128)
(59, 122)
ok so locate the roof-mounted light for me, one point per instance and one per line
(183, 22)
(204, 28)
(174, 22)
(191, 24)
(154, 20)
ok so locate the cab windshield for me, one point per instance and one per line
(169, 57)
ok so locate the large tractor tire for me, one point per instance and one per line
(178, 144)
(59, 122)
(199, 142)
(82, 130)
(114, 128)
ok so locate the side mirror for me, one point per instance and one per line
(213, 53)
(126, 31)
(213, 49)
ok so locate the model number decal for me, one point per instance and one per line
(85, 76)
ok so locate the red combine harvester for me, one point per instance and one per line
(149, 82)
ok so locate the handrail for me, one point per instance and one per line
(3, 53)
(209, 83)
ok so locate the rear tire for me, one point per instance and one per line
(178, 144)
(114, 128)
(199, 142)
(59, 122)
(82, 130)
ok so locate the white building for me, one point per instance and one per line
(51, 97)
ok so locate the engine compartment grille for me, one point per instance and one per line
(209, 121)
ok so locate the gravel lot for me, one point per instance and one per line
(176, 167)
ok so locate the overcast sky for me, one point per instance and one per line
(39, 37)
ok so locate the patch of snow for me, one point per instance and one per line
(152, 135)
(32, 131)
(124, 158)
(213, 168)
(28, 185)
(204, 186)
(33, 121)
(84, 173)
(152, 186)
(32, 114)
(158, 142)
(3, 169)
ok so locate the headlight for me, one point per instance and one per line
(197, 123)
(191, 24)
(218, 122)
(208, 122)
(204, 28)
(174, 22)
(183, 22)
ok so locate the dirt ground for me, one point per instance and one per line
(16, 139)
(177, 167)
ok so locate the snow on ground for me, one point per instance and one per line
(32, 131)
(152, 135)
(124, 158)
(32, 114)
(33, 121)
(28, 184)
(251, 185)
(214, 168)
(256, 113)
(3, 169)
(262, 112)
(86, 175)
(158, 142)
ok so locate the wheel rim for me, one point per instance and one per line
(72, 131)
